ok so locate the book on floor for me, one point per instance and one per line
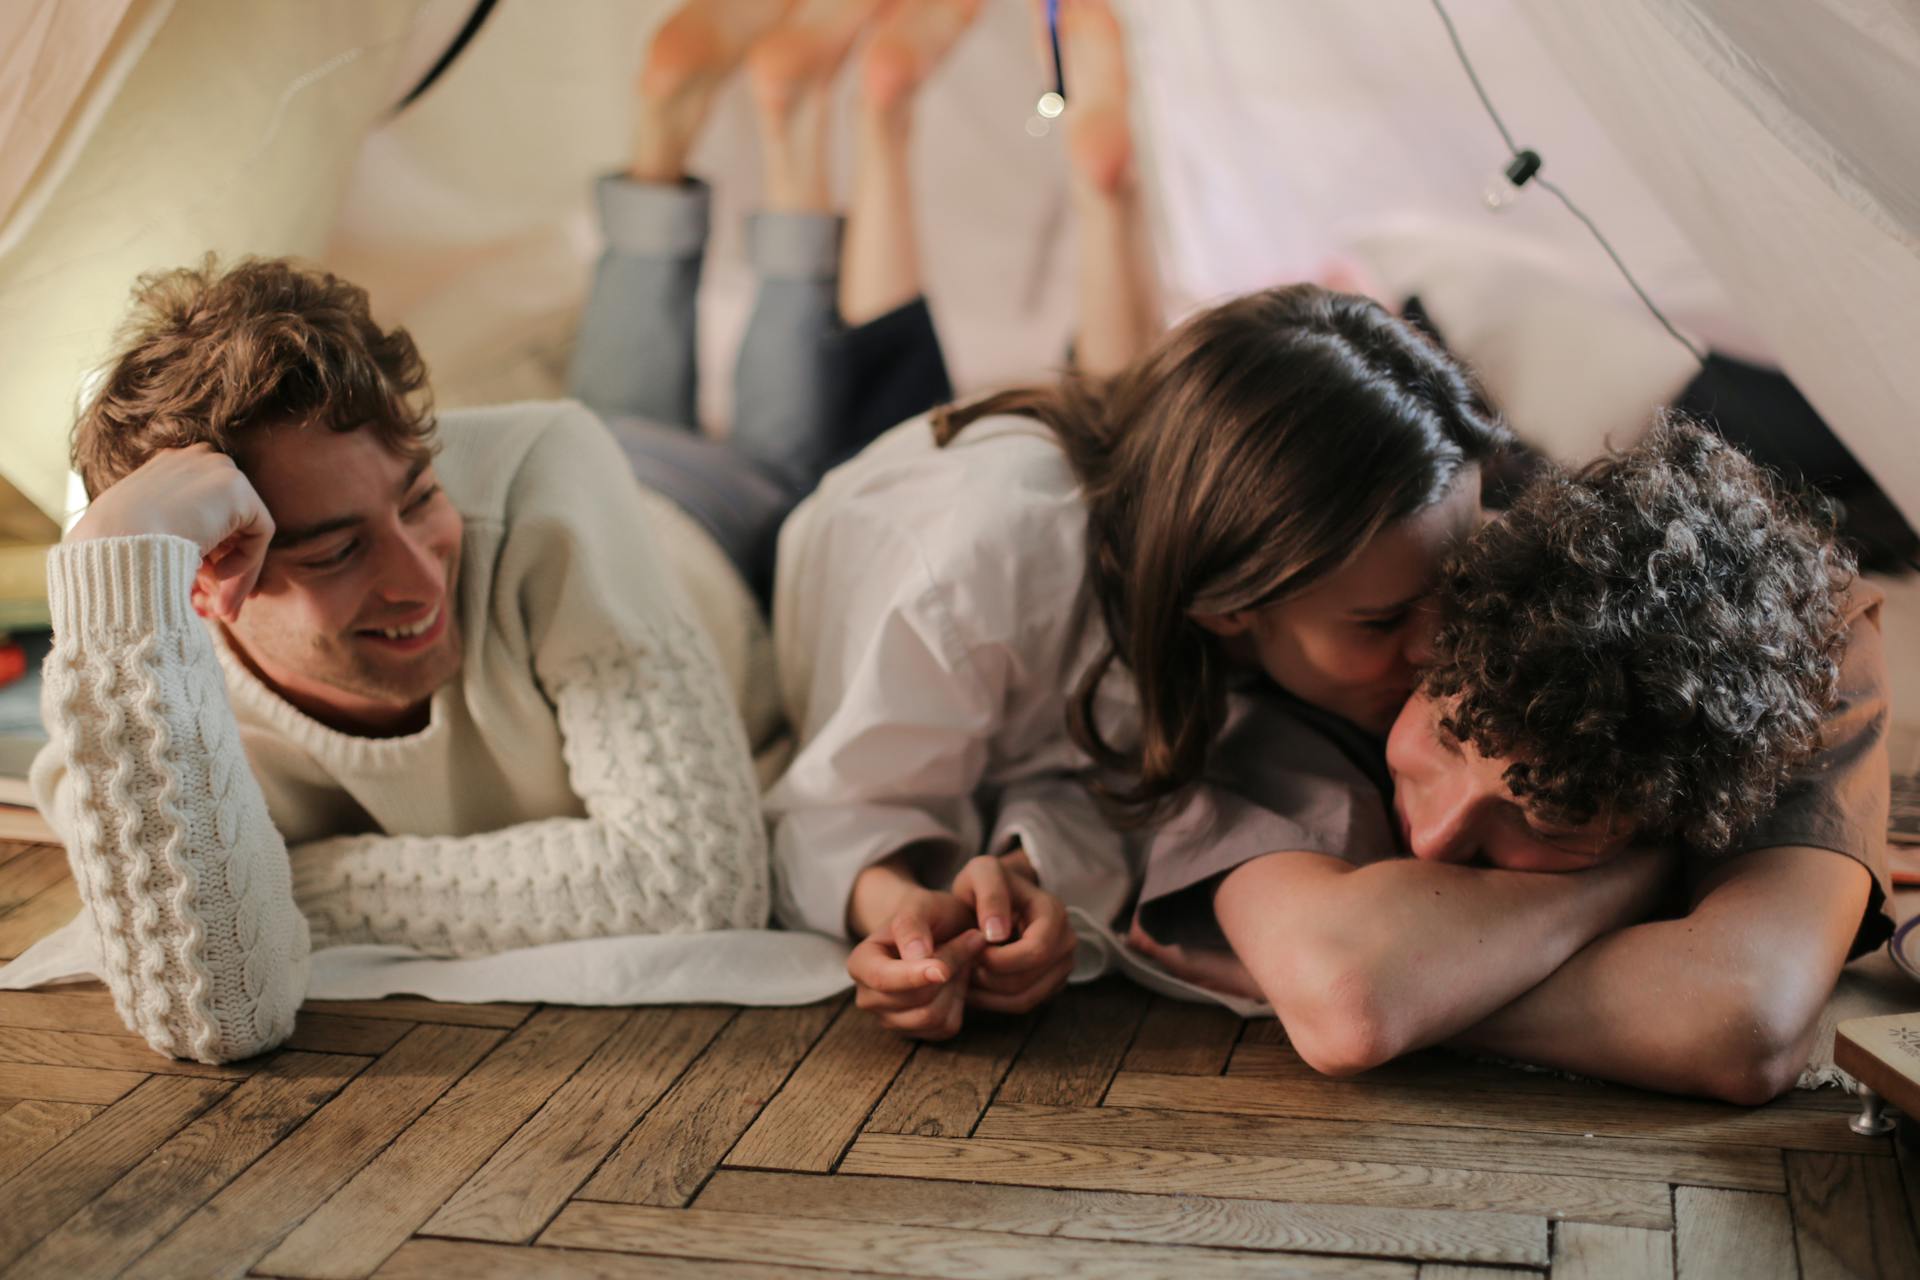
(16, 757)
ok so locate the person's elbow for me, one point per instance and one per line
(1339, 1016)
(1756, 1045)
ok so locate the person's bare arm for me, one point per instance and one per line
(1117, 283)
(1364, 963)
(1722, 1002)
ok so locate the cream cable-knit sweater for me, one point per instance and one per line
(585, 774)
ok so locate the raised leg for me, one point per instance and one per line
(792, 69)
(635, 353)
(822, 370)
(691, 56)
(1118, 295)
(882, 268)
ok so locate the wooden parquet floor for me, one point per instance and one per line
(1114, 1134)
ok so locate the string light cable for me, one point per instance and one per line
(1523, 166)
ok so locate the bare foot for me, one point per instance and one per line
(803, 54)
(692, 54)
(1093, 51)
(792, 69)
(911, 39)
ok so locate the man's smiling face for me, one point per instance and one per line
(1454, 805)
(353, 620)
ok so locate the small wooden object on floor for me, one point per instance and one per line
(1883, 1054)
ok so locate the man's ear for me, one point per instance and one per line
(1225, 625)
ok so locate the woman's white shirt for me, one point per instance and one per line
(927, 625)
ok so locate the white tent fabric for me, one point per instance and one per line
(1758, 165)
(1289, 131)
(1783, 139)
(233, 130)
(49, 54)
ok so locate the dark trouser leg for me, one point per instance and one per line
(740, 507)
(785, 392)
(635, 354)
(809, 391)
(891, 369)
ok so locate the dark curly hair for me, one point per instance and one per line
(1655, 636)
(207, 355)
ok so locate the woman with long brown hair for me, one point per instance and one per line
(1007, 635)
(1032, 612)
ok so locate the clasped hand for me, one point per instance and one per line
(995, 940)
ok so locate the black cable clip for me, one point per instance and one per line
(1523, 166)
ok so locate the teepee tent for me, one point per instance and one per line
(1754, 161)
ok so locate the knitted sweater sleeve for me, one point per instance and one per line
(166, 829)
(673, 840)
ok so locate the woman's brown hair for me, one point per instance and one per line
(207, 355)
(1257, 448)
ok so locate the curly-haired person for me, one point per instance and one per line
(1657, 673)
(1665, 648)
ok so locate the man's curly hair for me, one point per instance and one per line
(210, 355)
(1654, 637)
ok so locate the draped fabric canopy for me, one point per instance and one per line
(233, 129)
(49, 54)
(1784, 140)
(1755, 162)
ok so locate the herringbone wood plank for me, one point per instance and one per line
(1580, 1110)
(1733, 1233)
(670, 1153)
(61, 1182)
(823, 1104)
(155, 1195)
(252, 1213)
(919, 1251)
(31, 1127)
(370, 1217)
(1137, 1216)
(1182, 1038)
(1645, 1159)
(515, 1193)
(1850, 1217)
(1273, 1177)
(945, 1087)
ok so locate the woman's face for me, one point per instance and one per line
(1352, 643)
